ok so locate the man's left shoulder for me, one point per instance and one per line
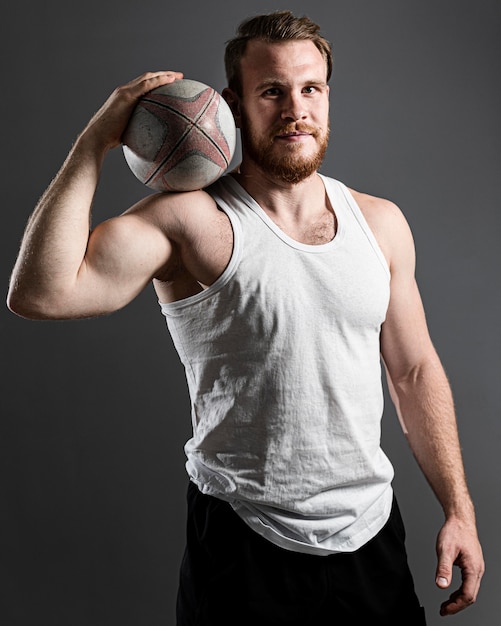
(386, 220)
(379, 212)
(375, 205)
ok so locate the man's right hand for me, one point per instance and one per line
(107, 126)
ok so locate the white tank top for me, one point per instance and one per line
(283, 366)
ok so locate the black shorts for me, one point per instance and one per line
(230, 575)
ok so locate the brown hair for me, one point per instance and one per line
(272, 27)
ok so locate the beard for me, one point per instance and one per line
(292, 167)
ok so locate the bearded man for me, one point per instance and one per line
(282, 290)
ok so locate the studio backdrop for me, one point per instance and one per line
(95, 413)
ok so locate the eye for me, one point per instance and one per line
(272, 91)
(310, 89)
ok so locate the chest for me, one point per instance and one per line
(312, 232)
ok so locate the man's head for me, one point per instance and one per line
(278, 67)
(277, 27)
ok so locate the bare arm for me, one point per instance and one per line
(64, 270)
(423, 399)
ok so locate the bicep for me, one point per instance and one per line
(405, 340)
(123, 255)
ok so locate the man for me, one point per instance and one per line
(281, 289)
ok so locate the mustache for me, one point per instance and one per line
(295, 127)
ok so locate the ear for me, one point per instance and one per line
(233, 102)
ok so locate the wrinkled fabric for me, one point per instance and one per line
(283, 368)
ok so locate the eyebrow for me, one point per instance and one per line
(278, 82)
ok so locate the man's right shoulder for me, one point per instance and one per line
(176, 210)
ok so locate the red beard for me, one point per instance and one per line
(292, 167)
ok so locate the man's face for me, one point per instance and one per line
(284, 111)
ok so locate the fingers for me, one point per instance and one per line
(130, 93)
(467, 593)
(150, 80)
(463, 597)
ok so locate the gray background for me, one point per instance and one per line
(95, 413)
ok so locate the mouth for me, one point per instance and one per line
(292, 137)
(293, 134)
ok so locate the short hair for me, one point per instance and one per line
(273, 27)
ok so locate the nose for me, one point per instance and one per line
(293, 107)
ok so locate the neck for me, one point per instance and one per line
(303, 210)
(278, 197)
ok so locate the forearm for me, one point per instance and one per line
(425, 405)
(56, 236)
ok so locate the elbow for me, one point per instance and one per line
(417, 374)
(26, 307)
(32, 306)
